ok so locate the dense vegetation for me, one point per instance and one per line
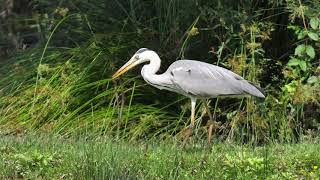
(57, 58)
(63, 117)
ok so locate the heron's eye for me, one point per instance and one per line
(136, 57)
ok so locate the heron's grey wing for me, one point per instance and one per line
(206, 80)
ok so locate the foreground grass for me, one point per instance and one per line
(46, 157)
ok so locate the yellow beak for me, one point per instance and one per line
(130, 64)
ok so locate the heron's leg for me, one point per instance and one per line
(211, 121)
(190, 128)
(193, 109)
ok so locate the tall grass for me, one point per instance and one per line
(63, 85)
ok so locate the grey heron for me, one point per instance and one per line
(194, 79)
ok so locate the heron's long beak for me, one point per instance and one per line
(130, 64)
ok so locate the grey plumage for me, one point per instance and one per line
(194, 79)
(203, 80)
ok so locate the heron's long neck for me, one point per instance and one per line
(149, 71)
(153, 67)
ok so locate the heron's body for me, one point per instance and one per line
(191, 78)
(197, 79)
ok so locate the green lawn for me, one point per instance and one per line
(48, 157)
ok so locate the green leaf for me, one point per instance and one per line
(293, 62)
(302, 35)
(297, 62)
(314, 22)
(296, 29)
(310, 51)
(313, 79)
(303, 65)
(300, 50)
(290, 87)
(314, 36)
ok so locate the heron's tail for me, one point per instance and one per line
(253, 89)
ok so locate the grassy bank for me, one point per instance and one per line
(46, 157)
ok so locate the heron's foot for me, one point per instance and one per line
(187, 133)
(212, 126)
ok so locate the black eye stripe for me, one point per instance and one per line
(141, 50)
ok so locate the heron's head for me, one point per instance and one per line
(141, 56)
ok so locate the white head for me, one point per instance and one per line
(141, 56)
